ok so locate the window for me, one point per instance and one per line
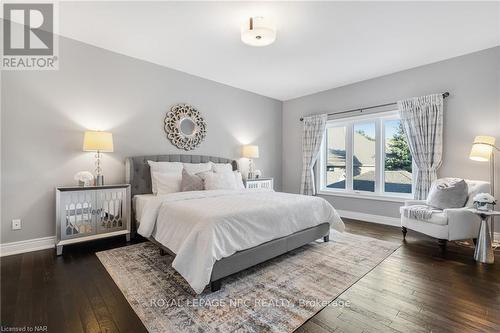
(366, 155)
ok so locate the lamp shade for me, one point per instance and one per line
(482, 148)
(250, 151)
(98, 141)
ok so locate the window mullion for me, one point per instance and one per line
(349, 155)
(380, 156)
(323, 161)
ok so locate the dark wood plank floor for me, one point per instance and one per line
(416, 289)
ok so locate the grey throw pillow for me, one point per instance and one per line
(191, 182)
(448, 193)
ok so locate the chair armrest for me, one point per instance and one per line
(458, 215)
(462, 223)
(461, 210)
(414, 202)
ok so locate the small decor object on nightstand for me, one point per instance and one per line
(88, 213)
(484, 202)
(84, 178)
(258, 174)
(100, 142)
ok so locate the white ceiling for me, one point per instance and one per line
(320, 45)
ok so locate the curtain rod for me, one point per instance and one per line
(446, 94)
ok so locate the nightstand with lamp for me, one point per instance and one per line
(251, 181)
(85, 213)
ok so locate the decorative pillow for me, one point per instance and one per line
(239, 180)
(168, 183)
(448, 193)
(476, 187)
(222, 167)
(164, 167)
(191, 182)
(219, 181)
(194, 168)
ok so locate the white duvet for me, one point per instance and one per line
(201, 227)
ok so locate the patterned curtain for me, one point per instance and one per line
(422, 119)
(312, 135)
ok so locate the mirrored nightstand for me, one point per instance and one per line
(259, 183)
(88, 213)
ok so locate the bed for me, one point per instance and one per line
(214, 234)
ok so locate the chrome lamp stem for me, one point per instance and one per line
(99, 178)
(251, 173)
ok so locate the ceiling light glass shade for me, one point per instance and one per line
(482, 148)
(250, 151)
(98, 141)
(258, 31)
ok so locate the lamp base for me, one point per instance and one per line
(251, 173)
(99, 180)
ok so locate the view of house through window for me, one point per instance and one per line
(355, 150)
(364, 157)
(336, 158)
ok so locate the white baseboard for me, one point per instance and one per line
(394, 221)
(7, 249)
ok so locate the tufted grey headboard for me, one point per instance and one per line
(137, 172)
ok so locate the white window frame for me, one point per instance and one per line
(379, 194)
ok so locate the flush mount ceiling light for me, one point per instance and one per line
(258, 31)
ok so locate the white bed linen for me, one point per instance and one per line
(138, 203)
(202, 227)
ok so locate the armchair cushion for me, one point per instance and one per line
(440, 218)
(448, 193)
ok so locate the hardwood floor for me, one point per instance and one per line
(416, 289)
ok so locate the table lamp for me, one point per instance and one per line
(250, 152)
(483, 150)
(100, 142)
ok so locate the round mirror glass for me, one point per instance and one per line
(187, 126)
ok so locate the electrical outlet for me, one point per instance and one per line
(16, 224)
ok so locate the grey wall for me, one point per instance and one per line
(44, 115)
(473, 108)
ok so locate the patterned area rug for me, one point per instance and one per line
(276, 296)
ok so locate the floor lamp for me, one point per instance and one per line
(483, 150)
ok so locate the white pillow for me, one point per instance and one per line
(222, 167)
(219, 181)
(168, 183)
(194, 168)
(163, 167)
(239, 180)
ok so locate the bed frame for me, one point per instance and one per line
(139, 177)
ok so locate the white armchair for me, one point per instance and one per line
(448, 224)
